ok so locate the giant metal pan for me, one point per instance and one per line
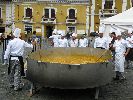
(66, 76)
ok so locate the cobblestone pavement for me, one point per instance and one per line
(114, 91)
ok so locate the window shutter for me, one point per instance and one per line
(108, 4)
(28, 12)
(0, 12)
(46, 13)
(52, 13)
(71, 13)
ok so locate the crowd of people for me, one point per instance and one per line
(120, 48)
(60, 39)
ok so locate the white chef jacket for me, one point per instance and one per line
(16, 48)
(101, 42)
(55, 40)
(63, 43)
(130, 40)
(83, 42)
(121, 45)
(73, 43)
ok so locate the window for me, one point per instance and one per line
(0, 13)
(46, 13)
(132, 3)
(52, 13)
(71, 28)
(28, 12)
(108, 4)
(49, 13)
(28, 29)
(72, 14)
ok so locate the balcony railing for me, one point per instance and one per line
(104, 13)
(56, 1)
(65, 1)
(1, 21)
(24, 0)
(28, 20)
(71, 20)
(48, 20)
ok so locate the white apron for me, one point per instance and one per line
(120, 49)
(119, 62)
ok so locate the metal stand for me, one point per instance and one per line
(97, 93)
(32, 89)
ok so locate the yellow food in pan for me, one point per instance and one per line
(75, 59)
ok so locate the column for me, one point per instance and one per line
(92, 16)
(87, 20)
(124, 5)
(42, 30)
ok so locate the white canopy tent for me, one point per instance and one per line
(122, 22)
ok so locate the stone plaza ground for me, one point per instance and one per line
(116, 90)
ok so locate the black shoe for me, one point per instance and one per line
(116, 78)
(11, 86)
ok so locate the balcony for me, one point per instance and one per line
(71, 20)
(28, 20)
(66, 1)
(48, 20)
(105, 13)
(24, 0)
(1, 21)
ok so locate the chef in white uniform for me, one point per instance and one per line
(129, 57)
(120, 46)
(74, 41)
(55, 36)
(83, 42)
(14, 52)
(63, 42)
(101, 42)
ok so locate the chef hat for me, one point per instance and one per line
(130, 30)
(55, 31)
(118, 32)
(74, 34)
(101, 29)
(17, 32)
(63, 34)
(59, 32)
(0, 34)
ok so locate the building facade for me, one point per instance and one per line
(101, 9)
(80, 16)
(43, 16)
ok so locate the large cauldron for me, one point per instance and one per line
(67, 76)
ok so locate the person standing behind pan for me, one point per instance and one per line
(120, 46)
(101, 42)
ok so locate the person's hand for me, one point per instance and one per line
(33, 42)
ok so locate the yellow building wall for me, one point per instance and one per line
(118, 5)
(61, 14)
(128, 4)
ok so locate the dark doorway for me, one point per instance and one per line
(28, 29)
(2, 29)
(49, 30)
